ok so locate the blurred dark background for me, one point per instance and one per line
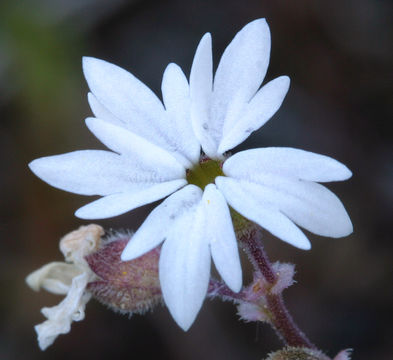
(339, 57)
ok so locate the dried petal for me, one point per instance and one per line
(55, 277)
(60, 317)
(79, 243)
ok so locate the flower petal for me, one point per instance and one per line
(245, 200)
(117, 204)
(91, 172)
(184, 267)
(255, 114)
(101, 112)
(240, 72)
(201, 86)
(122, 93)
(314, 208)
(142, 152)
(128, 99)
(155, 228)
(176, 96)
(221, 236)
(243, 65)
(287, 162)
(308, 204)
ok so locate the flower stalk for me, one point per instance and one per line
(249, 236)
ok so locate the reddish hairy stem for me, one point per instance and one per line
(218, 288)
(282, 321)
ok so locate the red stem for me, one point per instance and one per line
(282, 321)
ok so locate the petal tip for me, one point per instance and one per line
(33, 165)
(302, 244)
(206, 41)
(125, 256)
(258, 25)
(347, 228)
(87, 61)
(130, 252)
(207, 37)
(285, 79)
(236, 285)
(79, 214)
(171, 66)
(184, 322)
(39, 166)
(89, 65)
(89, 121)
(260, 21)
(84, 213)
(305, 247)
(347, 174)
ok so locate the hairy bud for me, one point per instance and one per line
(303, 353)
(125, 286)
(297, 353)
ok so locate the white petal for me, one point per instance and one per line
(155, 228)
(117, 204)
(175, 139)
(254, 114)
(176, 96)
(201, 86)
(246, 201)
(90, 172)
(142, 152)
(244, 62)
(315, 208)
(308, 204)
(184, 267)
(286, 162)
(101, 112)
(220, 233)
(128, 99)
(240, 72)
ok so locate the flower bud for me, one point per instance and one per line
(125, 286)
(297, 353)
(302, 353)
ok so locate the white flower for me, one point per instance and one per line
(156, 153)
(66, 278)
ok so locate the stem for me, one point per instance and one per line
(282, 321)
(219, 289)
(284, 324)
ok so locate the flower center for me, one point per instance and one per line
(204, 173)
